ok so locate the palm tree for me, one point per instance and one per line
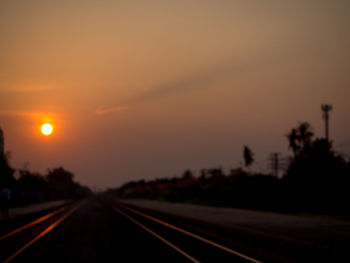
(300, 138)
(293, 138)
(248, 156)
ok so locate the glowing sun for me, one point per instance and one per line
(46, 129)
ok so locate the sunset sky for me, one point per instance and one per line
(146, 89)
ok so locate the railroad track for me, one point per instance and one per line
(192, 246)
(19, 239)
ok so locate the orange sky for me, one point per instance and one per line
(142, 89)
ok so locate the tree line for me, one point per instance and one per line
(32, 187)
(316, 180)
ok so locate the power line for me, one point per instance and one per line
(277, 163)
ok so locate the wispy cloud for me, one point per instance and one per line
(26, 89)
(28, 113)
(18, 113)
(105, 110)
(194, 81)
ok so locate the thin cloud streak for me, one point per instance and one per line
(105, 110)
(24, 113)
(24, 90)
(18, 113)
(195, 81)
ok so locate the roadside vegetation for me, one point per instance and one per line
(316, 180)
(31, 187)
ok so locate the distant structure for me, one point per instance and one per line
(2, 142)
(326, 108)
(277, 163)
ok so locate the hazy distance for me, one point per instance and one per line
(141, 89)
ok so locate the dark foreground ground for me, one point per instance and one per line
(97, 233)
(268, 236)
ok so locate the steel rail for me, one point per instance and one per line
(43, 233)
(33, 223)
(183, 231)
(179, 250)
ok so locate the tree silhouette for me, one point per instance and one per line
(6, 172)
(248, 156)
(314, 160)
(30, 182)
(187, 174)
(300, 138)
(62, 186)
(60, 176)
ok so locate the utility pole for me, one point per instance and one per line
(275, 163)
(326, 108)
